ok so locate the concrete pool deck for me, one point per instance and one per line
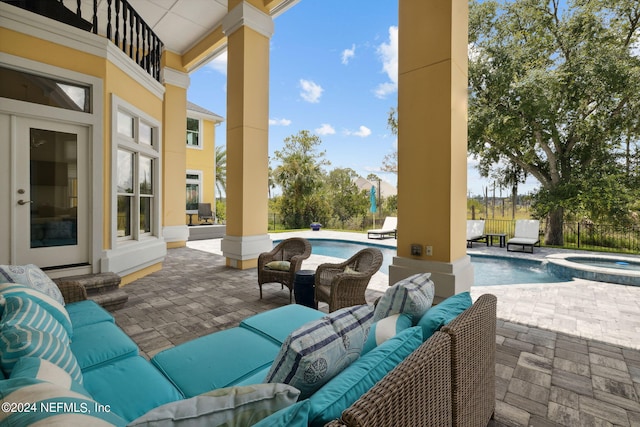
(591, 310)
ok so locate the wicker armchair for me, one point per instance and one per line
(294, 250)
(71, 291)
(340, 288)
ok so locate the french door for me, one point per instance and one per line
(51, 209)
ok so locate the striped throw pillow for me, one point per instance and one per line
(386, 328)
(319, 350)
(18, 341)
(413, 295)
(43, 370)
(52, 405)
(25, 312)
(57, 310)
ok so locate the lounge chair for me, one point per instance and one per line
(527, 234)
(475, 232)
(389, 229)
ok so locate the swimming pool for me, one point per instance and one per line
(488, 270)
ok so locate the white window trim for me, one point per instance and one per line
(200, 145)
(200, 185)
(155, 152)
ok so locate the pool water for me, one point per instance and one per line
(488, 270)
(605, 263)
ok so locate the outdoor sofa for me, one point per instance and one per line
(446, 379)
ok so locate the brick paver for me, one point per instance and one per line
(545, 375)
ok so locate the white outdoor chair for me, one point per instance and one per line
(527, 234)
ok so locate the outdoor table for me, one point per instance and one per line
(502, 237)
(303, 288)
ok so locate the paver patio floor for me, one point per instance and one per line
(544, 377)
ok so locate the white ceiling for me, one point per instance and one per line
(180, 24)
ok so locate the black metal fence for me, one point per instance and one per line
(582, 235)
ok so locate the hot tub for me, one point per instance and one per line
(601, 268)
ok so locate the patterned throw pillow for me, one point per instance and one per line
(231, 407)
(31, 275)
(278, 265)
(21, 341)
(319, 350)
(57, 310)
(386, 328)
(413, 295)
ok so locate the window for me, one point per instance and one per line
(136, 177)
(194, 190)
(193, 132)
(25, 86)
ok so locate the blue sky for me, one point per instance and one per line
(334, 74)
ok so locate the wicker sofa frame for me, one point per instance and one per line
(448, 381)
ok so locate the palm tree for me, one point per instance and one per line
(221, 170)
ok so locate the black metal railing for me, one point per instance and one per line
(122, 25)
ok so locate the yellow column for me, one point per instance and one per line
(174, 148)
(432, 144)
(248, 30)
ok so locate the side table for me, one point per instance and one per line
(303, 288)
(502, 237)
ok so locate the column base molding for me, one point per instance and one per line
(243, 251)
(450, 278)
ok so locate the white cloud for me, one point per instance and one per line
(635, 48)
(311, 91)
(219, 63)
(279, 122)
(347, 54)
(325, 129)
(362, 132)
(388, 53)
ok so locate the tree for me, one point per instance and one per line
(347, 200)
(301, 178)
(552, 92)
(221, 170)
(390, 161)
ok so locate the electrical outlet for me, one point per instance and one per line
(416, 250)
(429, 250)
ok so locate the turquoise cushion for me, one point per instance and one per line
(443, 313)
(224, 407)
(278, 323)
(67, 408)
(57, 310)
(23, 311)
(342, 391)
(87, 312)
(20, 341)
(130, 386)
(413, 295)
(101, 343)
(293, 416)
(41, 369)
(217, 360)
(30, 275)
(320, 350)
(255, 378)
(386, 328)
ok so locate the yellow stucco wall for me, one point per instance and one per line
(247, 133)
(432, 139)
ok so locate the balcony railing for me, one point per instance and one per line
(122, 25)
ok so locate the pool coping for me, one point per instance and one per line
(562, 266)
